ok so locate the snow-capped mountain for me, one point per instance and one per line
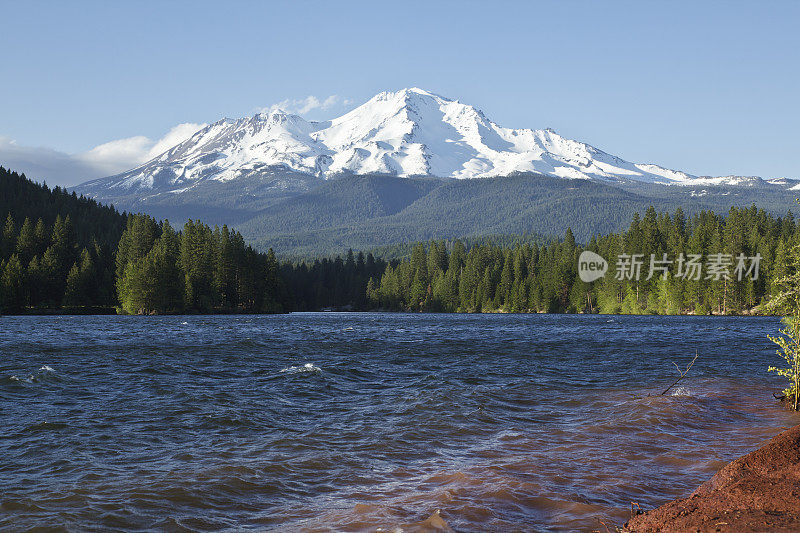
(411, 132)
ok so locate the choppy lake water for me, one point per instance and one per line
(351, 422)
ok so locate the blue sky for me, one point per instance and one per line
(705, 87)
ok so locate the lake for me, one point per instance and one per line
(359, 421)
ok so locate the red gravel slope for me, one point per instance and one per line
(757, 492)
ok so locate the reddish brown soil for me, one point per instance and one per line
(757, 492)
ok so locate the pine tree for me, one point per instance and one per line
(225, 268)
(26, 241)
(197, 254)
(64, 243)
(80, 287)
(418, 288)
(51, 268)
(9, 238)
(41, 237)
(373, 296)
(12, 285)
(136, 241)
(36, 283)
(273, 284)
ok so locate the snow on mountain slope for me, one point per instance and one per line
(224, 151)
(411, 132)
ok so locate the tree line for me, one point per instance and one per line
(43, 266)
(156, 269)
(449, 277)
(60, 251)
(91, 221)
(331, 283)
(197, 270)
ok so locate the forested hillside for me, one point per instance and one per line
(59, 251)
(533, 278)
(368, 212)
(62, 252)
(56, 248)
(21, 198)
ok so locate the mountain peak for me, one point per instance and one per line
(273, 111)
(417, 90)
(409, 132)
(407, 92)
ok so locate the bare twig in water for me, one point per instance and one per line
(604, 525)
(681, 373)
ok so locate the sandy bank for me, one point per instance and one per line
(757, 492)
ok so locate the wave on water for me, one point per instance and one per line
(44, 373)
(512, 423)
(302, 369)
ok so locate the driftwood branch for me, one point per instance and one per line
(681, 373)
(604, 525)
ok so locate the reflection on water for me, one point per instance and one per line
(349, 422)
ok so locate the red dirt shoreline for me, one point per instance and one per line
(757, 492)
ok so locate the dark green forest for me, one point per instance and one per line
(56, 248)
(449, 277)
(60, 252)
(63, 252)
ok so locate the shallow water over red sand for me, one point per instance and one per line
(351, 422)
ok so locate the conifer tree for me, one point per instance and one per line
(9, 237)
(81, 289)
(26, 241)
(12, 283)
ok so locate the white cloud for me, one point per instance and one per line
(302, 106)
(175, 136)
(122, 153)
(60, 168)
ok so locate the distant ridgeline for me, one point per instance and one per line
(63, 253)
